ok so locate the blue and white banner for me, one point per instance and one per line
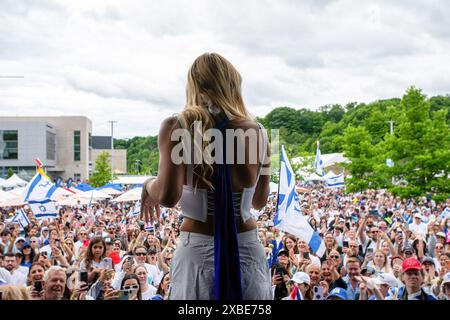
(318, 163)
(21, 218)
(40, 187)
(135, 211)
(289, 217)
(336, 181)
(43, 209)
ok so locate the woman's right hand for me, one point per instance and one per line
(149, 205)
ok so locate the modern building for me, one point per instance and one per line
(118, 156)
(63, 144)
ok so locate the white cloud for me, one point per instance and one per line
(127, 61)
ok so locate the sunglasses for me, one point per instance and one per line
(141, 254)
(133, 287)
(334, 257)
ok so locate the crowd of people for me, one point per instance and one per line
(378, 247)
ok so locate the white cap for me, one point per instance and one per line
(386, 278)
(418, 215)
(301, 277)
(446, 278)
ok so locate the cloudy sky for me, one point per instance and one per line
(127, 60)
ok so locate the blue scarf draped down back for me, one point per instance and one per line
(227, 265)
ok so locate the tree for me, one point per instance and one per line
(365, 158)
(102, 173)
(10, 172)
(421, 148)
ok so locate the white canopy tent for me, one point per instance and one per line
(131, 195)
(314, 177)
(5, 196)
(73, 201)
(111, 191)
(13, 182)
(273, 187)
(92, 194)
(18, 192)
(131, 179)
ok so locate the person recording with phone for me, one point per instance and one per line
(93, 262)
(281, 275)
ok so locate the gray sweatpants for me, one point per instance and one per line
(192, 269)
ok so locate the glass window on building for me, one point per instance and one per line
(8, 144)
(51, 146)
(77, 176)
(77, 145)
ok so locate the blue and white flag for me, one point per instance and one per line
(135, 210)
(40, 187)
(318, 163)
(43, 209)
(21, 218)
(289, 217)
(336, 181)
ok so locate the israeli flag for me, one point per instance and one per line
(136, 211)
(318, 163)
(289, 217)
(21, 218)
(43, 209)
(40, 187)
(336, 181)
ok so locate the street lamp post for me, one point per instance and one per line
(112, 148)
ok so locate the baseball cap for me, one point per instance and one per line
(26, 244)
(301, 277)
(408, 248)
(338, 293)
(368, 271)
(283, 252)
(20, 239)
(428, 259)
(411, 263)
(440, 234)
(418, 215)
(44, 229)
(446, 278)
(386, 278)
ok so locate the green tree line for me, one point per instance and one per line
(419, 147)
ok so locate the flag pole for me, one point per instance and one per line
(279, 175)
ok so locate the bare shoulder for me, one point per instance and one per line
(168, 125)
(244, 124)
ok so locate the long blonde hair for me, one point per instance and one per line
(212, 81)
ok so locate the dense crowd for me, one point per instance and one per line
(377, 247)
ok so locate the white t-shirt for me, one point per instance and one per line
(149, 293)
(18, 278)
(418, 228)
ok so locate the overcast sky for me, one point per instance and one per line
(127, 60)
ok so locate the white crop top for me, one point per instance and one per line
(196, 204)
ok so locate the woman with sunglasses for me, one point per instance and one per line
(27, 255)
(129, 286)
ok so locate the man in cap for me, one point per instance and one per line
(413, 278)
(337, 294)
(417, 226)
